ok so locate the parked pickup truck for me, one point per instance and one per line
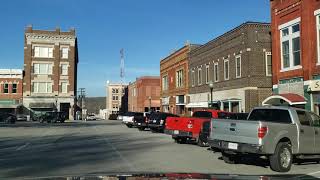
(141, 122)
(129, 117)
(157, 121)
(188, 128)
(279, 133)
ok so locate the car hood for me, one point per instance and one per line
(177, 176)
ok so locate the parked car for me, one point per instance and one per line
(8, 118)
(141, 122)
(113, 117)
(128, 118)
(188, 128)
(52, 117)
(279, 133)
(157, 121)
(91, 117)
(21, 117)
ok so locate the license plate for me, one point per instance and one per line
(176, 132)
(154, 121)
(233, 146)
(139, 123)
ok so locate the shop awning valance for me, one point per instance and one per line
(285, 99)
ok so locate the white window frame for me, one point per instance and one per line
(224, 69)
(289, 38)
(64, 71)
(199, 75)
(216, 72)
(317, 15)
(207, 74)
(66, 87)
(179, 78)
(64, 55)
(236, 58)
(165, 82)
(193, 78)
(37, 52)
(36, 84)
(266, 60)
(48, 67)
(4, 87)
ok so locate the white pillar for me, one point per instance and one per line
(229, 106)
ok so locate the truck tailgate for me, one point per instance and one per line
(177, 123)
(235, 130)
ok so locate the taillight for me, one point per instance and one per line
(190, 124)
(146, 119)
(262, 131)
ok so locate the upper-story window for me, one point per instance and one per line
(238, 66)
(42, 87)
(14, 88)
(45, 52)
(207, 74)
(290, 45)
(268, 64)
(64, 87)
(5, 88)
(65, 52)
(117, 91)
(165, 83)
(64, 69)
(41, 68)
(216, 72)
(115, 98)
(179, 78)
(317, 13)
(199, 76)
(193, 78)
(226, 69)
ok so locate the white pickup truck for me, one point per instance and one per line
(279, 133)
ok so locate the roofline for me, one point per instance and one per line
(173, 53)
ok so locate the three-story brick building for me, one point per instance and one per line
(237, 64)
(50, 70)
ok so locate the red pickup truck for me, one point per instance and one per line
(188, 128)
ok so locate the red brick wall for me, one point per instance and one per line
(283, 11)
(16, 96)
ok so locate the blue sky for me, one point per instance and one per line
(148, 30)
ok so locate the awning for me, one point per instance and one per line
(197, 105)
(42, 105)
(285, 99)
(9, 106)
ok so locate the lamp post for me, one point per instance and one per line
(149, 103)
(211, 89)
(56, 100)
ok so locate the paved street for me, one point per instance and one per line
(31, 149)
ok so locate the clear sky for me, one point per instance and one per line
(148, 30)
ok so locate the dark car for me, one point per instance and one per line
(113, 117)
(157, 121)
(8, 118)
(141, 122)
(53, 117)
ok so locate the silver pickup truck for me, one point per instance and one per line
(279, 133)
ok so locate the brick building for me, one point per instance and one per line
(115, 94)
(174, 80)
(295, 30)
(50, 70)
(144, 93)
(10, 90)
(238, 64)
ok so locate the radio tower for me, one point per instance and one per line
(122, 66)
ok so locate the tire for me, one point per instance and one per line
(201, 143)
(141, 128)
(129, 125)
(181, 140)
(283, 153)
(230, 158)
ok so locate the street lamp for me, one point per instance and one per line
(211, 89)
(56, 99)
(149, 103)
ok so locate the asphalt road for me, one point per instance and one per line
(31, 150)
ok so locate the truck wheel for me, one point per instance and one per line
(230, 158)
(181, 140)
(201, 143)
(281, 160)
(129, 125)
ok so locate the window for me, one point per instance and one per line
(45, 52)
(290, 44)
(238, 66)
(113, 90)
(64, 86)
(268, 64)
(179, 78)
(6, 88)
(117, 91)
(193, 78)
(165, 83)
(226, 69)
(303, 118)
(42, 87)
(115, 98)
(207, 74)
(65, 51)
(64, 69)
(199, 76)
(315, 120)
(216, 72)
(318, 36)
(14, 88)
(42, 68)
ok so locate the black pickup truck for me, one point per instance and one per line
(157, 121)
(141, 122)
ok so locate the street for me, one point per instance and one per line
(31, 149)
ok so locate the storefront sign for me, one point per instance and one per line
(314, 85)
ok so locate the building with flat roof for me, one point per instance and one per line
(115, 97)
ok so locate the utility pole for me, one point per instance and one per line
(81, 97)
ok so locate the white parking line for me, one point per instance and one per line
(309, 174)
(22, 147)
